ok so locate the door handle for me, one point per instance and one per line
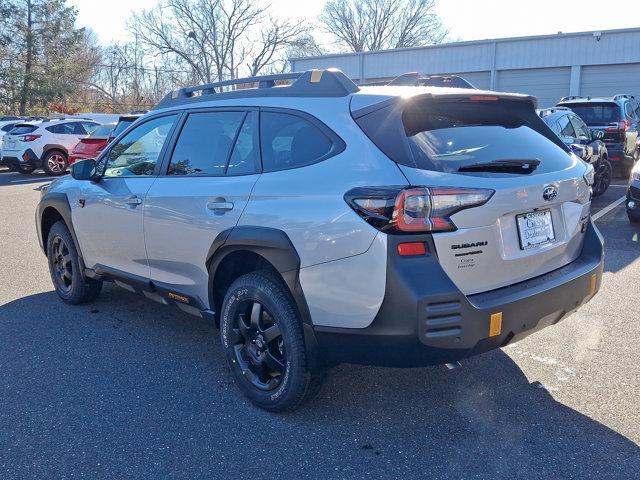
(220, 205)
(133, 200)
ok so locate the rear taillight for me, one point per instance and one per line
(29, 138)
(621, 126)
(414, 210)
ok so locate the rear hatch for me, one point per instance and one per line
(603, 116)
(533, 222)
(12, 142)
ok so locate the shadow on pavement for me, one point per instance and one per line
(124, 388)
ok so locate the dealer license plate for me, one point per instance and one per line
(535, 229)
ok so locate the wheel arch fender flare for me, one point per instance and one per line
(54, 146)
(58, 202)
(274, 246)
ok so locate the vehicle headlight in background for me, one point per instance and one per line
(589, 175)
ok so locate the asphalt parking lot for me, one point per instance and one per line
(125, 388)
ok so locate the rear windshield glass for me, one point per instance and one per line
(102, 131)
(121, 127)
(594, 114)
(445, 136)
(23, 130)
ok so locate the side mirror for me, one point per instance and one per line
(84, 170)
(597, 134)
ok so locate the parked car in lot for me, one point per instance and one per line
(585, 143)
(633, 195)
(321, 223)
(45, 145)
(619, 118)
(5, 127)
(91, 146)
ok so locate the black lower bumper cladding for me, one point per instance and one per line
(425, 320)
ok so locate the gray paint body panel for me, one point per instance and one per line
(348, 292)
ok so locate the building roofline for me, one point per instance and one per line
(472, 42)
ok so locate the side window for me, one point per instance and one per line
(89, 127)
(581, 129)
(205, 143)
(137, 152)
(75, 128)
(54, 129)
(566, 130)
(289, 141)
(246, 151)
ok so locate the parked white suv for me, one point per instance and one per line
(30, 145)
(321, 223)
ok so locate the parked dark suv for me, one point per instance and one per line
(584, 142)
(619, 118)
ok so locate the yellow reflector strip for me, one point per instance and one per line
(594, 282)
(495, 325)
(316, 75)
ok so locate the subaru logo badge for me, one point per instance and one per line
(549, 193)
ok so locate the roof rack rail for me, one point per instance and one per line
(623, 95)
(330, 82)
(543, 112)
(571, 97)
(413, 79)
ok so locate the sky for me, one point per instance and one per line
(465, 19)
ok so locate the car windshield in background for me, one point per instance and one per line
(22, 130)
(464, 136)
(102, 131)
(121, 127)
(594, 114)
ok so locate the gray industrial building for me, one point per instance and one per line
(548, 66)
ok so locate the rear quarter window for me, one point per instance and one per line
(291, 141)
(23, 130)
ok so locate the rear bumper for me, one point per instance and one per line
(617, 154)
(76, 157)
(12, 161)
(425, 320)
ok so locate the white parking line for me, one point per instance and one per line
(608, 208)
(33, 180)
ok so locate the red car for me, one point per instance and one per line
(91, 146)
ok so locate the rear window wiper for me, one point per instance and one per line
(502, 166)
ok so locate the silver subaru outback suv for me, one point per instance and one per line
(319, 222)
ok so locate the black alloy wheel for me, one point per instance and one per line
(602, 177)
(258, 346)
(262, 337)
(62, 267)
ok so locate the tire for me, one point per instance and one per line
(25, 170)
(633, 217)
(55, 163)
(261, 333)
(69, 280)
(603, 175)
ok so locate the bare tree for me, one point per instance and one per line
(216, 39)
(369, 25)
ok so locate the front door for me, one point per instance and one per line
(205, 187)
(110, 224)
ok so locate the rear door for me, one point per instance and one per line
(204, 188)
